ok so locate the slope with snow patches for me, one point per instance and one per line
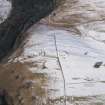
(77, 61)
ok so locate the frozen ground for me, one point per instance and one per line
(68, 67)
(69, 61)
(77, 56)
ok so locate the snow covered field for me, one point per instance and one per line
(77, 55)
(69, 66)
(74, 65)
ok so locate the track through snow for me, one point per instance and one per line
(68, 60)
(58, 66)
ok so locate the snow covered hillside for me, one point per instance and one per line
(67, 63)
(74, 65)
